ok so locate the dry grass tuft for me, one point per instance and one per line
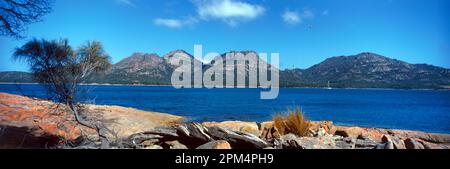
(295, 122)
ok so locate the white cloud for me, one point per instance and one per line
(294, 17)
(126, 2)
(291, 17)
(171, 23)
(175, 23)
(231, 12)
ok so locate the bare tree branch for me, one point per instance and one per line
(15, 15)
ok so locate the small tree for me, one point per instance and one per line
(16, 14)
(60, 69)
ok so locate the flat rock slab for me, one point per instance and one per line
(45, 119)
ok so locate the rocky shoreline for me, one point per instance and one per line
(34, 123)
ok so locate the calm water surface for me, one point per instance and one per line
(425, 110)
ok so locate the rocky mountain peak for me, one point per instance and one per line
(179, 52)
(138, 61)
(245, 52)
(360, 70)
(372, 57)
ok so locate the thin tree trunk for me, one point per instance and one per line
(101, 131)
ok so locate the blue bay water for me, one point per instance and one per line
(425, 110)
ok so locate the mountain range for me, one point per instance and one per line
(364, 70)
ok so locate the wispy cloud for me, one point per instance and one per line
(291, 17)
(175, 23)
(325, 12)
(232, 12)
(295, 17)
(171, 23)
(126, 2)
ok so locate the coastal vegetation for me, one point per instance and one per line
(60, 69)
(294, 122)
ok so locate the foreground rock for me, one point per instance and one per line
(249, 127)
(195, 135)
(219, 144)
(127, 121)
(33, 123)
(413, 144)
(291, 141)
(324, 135)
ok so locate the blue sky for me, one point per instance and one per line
(304, 32)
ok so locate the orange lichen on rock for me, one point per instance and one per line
(39, 115)
(46, 118)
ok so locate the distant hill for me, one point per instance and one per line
(139, 68)
(16, 77)
(365, 70)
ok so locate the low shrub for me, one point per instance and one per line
(294, 122)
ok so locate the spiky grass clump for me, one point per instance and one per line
(294, 122)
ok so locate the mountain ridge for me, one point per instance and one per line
(363, 70)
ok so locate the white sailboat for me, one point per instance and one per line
(328, 87)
